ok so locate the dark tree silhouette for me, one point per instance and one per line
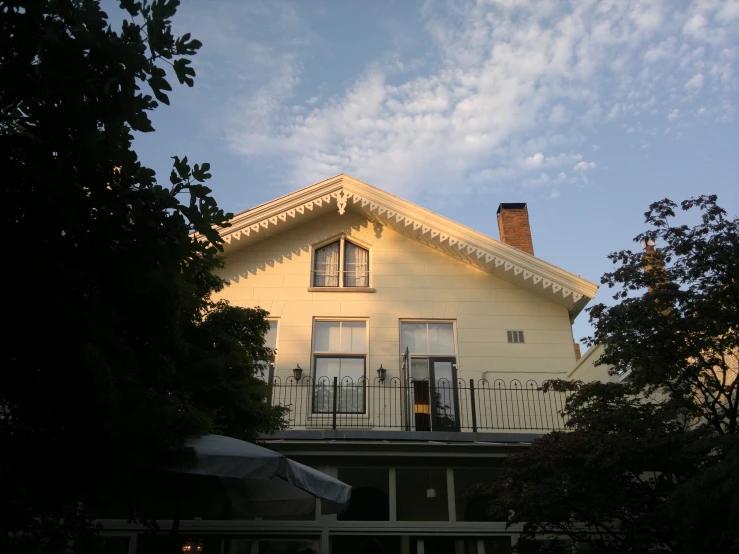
(650, 465)
(113, 350)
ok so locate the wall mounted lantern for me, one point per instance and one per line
(382, 373)
(297, 373)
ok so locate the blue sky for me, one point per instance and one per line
(588, 111)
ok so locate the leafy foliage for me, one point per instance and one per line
(650, 464)
(681, 337)
(114, 351)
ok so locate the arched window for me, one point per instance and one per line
(341, 264)
(356, 266)
(326, 268)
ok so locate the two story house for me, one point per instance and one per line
(409, 354)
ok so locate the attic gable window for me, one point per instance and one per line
(515, 337)
(341, 263)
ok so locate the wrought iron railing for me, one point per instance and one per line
(411, 405)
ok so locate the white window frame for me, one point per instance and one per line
(325, 354)
(406, 375)
(428, 320)
(272, 366)
(342, 239)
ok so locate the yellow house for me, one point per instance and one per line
(409, 350)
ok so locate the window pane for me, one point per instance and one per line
(264, 369)
(384, 544)
(115, 545)
(328, 336)
(421, 394)
(441, 338)
(238, 545)
(356, 266)
(351, 370)
(445, 399)
(287, 546)
(354, 336)
(270, 339)
(370, 500)
(351, 386)
(497, 545)
(422, 495)
(327, 369)
(349, 373)
(471, 505)
(326, 270)
(341, 336)
(414, 336)
(544, 545)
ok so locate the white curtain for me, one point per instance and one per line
(356, 266)
(327, 266)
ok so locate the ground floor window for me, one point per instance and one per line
(459, 545)
(115, 545)
(218, 544)
(563, 546)
(471, 505)
(422, 495)
(370, 500)
(370, 544)
(338, 543)
(418, 544)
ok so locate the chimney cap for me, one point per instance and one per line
(648, 245)
(511, 206)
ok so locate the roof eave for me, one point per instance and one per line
(478, 248)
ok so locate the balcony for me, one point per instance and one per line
(419, 406)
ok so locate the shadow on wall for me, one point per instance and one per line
(303, 237)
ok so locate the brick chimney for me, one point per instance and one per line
(654, 264)
(513, 223)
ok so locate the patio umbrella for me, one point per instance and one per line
(261, 482)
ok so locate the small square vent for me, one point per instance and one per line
(515, 337)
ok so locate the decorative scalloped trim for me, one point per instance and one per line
(342, 197)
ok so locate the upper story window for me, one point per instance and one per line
(340, 358)
(341, 264)
(430, 338)
(267, 368)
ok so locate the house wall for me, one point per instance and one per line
(587, 371)
(411, 281)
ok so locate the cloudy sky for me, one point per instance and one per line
(586, 110)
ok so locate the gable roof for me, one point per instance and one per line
(344, 193)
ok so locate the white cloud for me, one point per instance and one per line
(535, 160)
(514, 83)
(728, 12)
(695, 26)
(542, 180)
(584, 166)
(695, 82)
(664, 50)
